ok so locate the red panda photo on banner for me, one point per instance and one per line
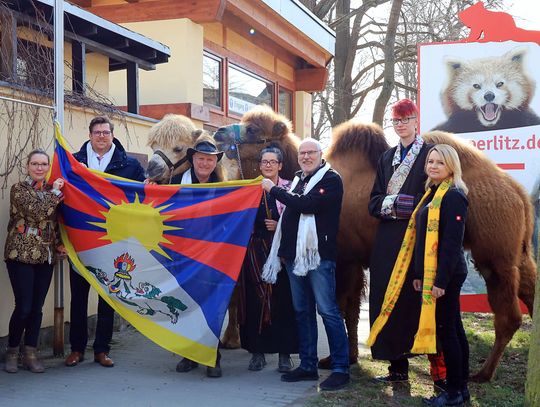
(488, 93)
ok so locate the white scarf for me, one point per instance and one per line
(103, 162)
(307, 241)
(186, 177)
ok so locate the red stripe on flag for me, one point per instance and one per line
(158, 193)
(511, 166)
(82, 202)
(85, 239)
(224, 257)
(480, 303)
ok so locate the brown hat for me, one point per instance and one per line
(204, 147)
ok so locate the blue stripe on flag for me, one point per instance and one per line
(79, 220)
(225, 228)
(207, 286)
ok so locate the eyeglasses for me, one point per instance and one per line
(309, 153)
(104, 133)
(36, 165)
(269, 162)
(404, 120)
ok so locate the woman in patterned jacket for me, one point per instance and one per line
(30, 251)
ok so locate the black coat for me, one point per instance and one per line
(324, 201)
(450, 256)
(396, 338)
(121, 165)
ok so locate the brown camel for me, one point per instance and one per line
(499, 225)
(242, 143)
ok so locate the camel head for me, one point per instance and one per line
(258, 128)
(169, 139)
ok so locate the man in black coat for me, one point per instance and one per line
(105, 153)
(311, 216)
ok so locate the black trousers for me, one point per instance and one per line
(452, 335)
(78, 333)
(30, 283)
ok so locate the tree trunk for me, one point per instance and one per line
(532, 386)
(342, 92)
(389, 62)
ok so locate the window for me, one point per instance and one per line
(285, 103)
(247, 91)
(212, 80)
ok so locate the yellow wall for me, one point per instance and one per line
(303, 114)
(179, 80)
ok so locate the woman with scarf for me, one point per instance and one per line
(266, 314)
(30, 251)
(440, 268)
(398, 187)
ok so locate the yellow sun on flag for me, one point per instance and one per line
(140, 221)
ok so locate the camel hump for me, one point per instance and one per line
(354, 136)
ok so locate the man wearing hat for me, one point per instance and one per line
(203, 158)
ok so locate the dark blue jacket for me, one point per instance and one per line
(450, 257)
(324, 201)
(121, 165)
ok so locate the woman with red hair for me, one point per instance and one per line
(398, 188)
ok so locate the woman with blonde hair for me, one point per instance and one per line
(440, 267)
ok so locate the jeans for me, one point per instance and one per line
(30, 284)
(318, 288)
(452, 335)
(78, 333)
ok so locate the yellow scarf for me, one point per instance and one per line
(425, 338)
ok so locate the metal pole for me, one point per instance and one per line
(58, 345)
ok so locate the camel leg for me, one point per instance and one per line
(502, 290)
(527, 281)
(231, 337)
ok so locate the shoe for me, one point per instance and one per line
(335, 381)
(12, 360)
(285, 363)
(186, 365)
(31, 361)
(74, 359)
(103, 359)
(298, 375)
(393, 377)
(214, 371)
(439, 386)
(444, 399)
(257, 362)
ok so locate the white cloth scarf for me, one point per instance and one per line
(103, 162)
(307, 241)
(186, 177)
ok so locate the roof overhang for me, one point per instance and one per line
(286, 22)
(120, 44)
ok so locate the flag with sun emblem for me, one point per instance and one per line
(165, 257)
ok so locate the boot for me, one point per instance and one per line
(12, 359)
(31, 361)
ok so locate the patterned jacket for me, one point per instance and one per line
(32, 236)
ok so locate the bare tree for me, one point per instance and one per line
(376, 49)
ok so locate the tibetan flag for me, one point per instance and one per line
(165, 257)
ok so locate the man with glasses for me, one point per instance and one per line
(306, 240)
(105, 153)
